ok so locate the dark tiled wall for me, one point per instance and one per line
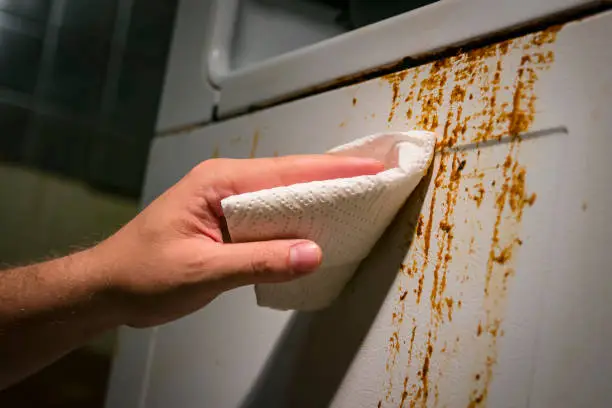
(80, 83)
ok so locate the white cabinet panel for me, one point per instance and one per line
(188, 98)
(422, 31)
(492, 284)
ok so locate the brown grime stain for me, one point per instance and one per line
(404, 396)
(276, 153)
(354, 101)
(531, 199)
(449, 304)
(479, 196)
(419, 230)
(498, 107)
(406, 378)
(395, 80)
(215, 153)
(510, 200)
(504, 256)
(425, 370)
(254, 145)
(420, 288)
(445, 226)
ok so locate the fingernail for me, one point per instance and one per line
(305, 257)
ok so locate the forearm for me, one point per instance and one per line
(48, 309)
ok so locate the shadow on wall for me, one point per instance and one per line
(315, 352)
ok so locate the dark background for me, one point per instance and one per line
(80, 82)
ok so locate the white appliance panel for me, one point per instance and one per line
(491, 285)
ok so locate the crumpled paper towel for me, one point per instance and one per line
(345, 217)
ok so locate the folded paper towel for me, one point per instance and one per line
(345, 217)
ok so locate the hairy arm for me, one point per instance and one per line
(167, 262)
(48, 309)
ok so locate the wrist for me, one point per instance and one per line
(93, 270)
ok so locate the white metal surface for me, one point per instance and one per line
(502, 296)
(433, 27)
(188, 98)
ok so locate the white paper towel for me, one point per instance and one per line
(344, 216)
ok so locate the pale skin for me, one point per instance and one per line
(167, 262)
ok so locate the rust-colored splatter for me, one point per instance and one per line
(504, 256)
(424, 389)
(404, 393)
(395, 80)
(419, 290)
(254, 145)
(449, 304)
(511, 199)
(445, 226)
(431, 94)
(419, 230)
(479, 196)
(394, 340)
(495, 109)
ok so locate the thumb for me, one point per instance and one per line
(266, 261)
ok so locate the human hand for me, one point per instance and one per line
(171, 260)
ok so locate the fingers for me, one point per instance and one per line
(265, 262)
(243, 176)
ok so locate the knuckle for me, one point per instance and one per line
(210, 168)
(263, 263)
(206, 166)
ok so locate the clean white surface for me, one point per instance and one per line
(555, 311)
(188, 98)
(421, 31)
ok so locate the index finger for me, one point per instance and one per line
(247, 175)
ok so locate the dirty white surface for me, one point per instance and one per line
(492, 285)
(188, 96)
(412, 34)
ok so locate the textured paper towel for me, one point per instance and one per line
(344, 216)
